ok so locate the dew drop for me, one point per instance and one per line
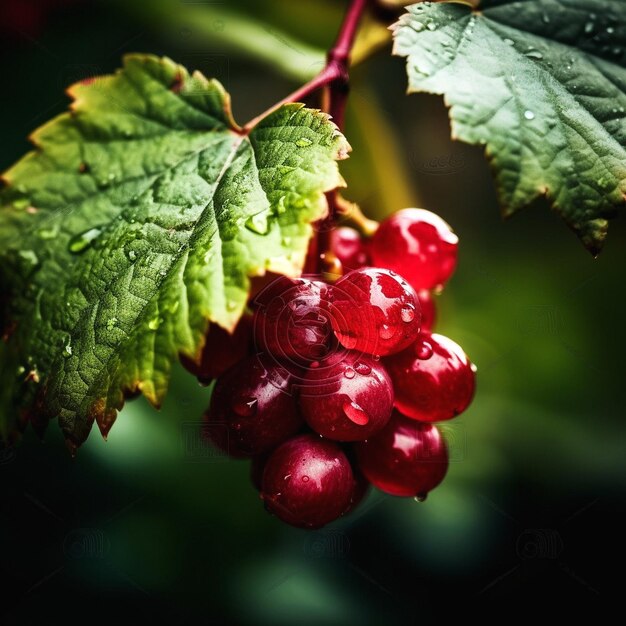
(154, 323)
(355, 413)
(231, 305)
(509, 42)
(349, 373)
(245, 407)
(258, 224)
(610, 30)
(407, 314)
(385, 331)
(67, 350)
(303, 142)
(363, 368)
(474, 368)
(314, 364)
(420, 497)
(589, 26)
(534, 54)
(47, 233)
(529, 115)
(29, 258)
(431, 26)
(79, 243)
(423, 350)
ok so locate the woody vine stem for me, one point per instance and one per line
(334, 80)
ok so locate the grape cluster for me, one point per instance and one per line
(329, 388)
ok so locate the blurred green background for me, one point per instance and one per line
(150, 526)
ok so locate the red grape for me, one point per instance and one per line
(308, 482)
(347, 397)
(252, 409)
(292, 320)
(419, 245)
(407, 458)
(433, 380)
(349, 248)
(375, 311)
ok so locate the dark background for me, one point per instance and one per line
(149, 526)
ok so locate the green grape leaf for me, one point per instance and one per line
(139, 219)
(542, 85)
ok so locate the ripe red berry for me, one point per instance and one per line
(346, 397)
(375, 311)
(433, 379)
(419, 245)
(407, 458)
(349, 248)
(308, 482)
(252, 409)
(291, 321)
(429, 311)
(221, 350)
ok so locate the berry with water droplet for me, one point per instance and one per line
(292, 322)
(375, 311)
(325, 495)
(407, 458)
(349, 248)
(417, 244)
(433, 379)
(348, 397)
(252, 409)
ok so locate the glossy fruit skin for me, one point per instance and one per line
(429, 310)
(252, 409)
(419, 245)
(407, 458)
(375, 311)
(222, 350)
(308, 482)
(347, 397)
(291, 321)
(433, 379)
(349, 247)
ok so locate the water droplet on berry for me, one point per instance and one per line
(246, 407)
(407, 314)
(385, 331)
(363, 368)
(305, 479)
(355, 413)
(423, 350)
(314, 364)
(349, 373)
(420, 497)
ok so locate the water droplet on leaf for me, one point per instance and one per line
(79, 243)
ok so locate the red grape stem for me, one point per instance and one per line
(334, 76)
